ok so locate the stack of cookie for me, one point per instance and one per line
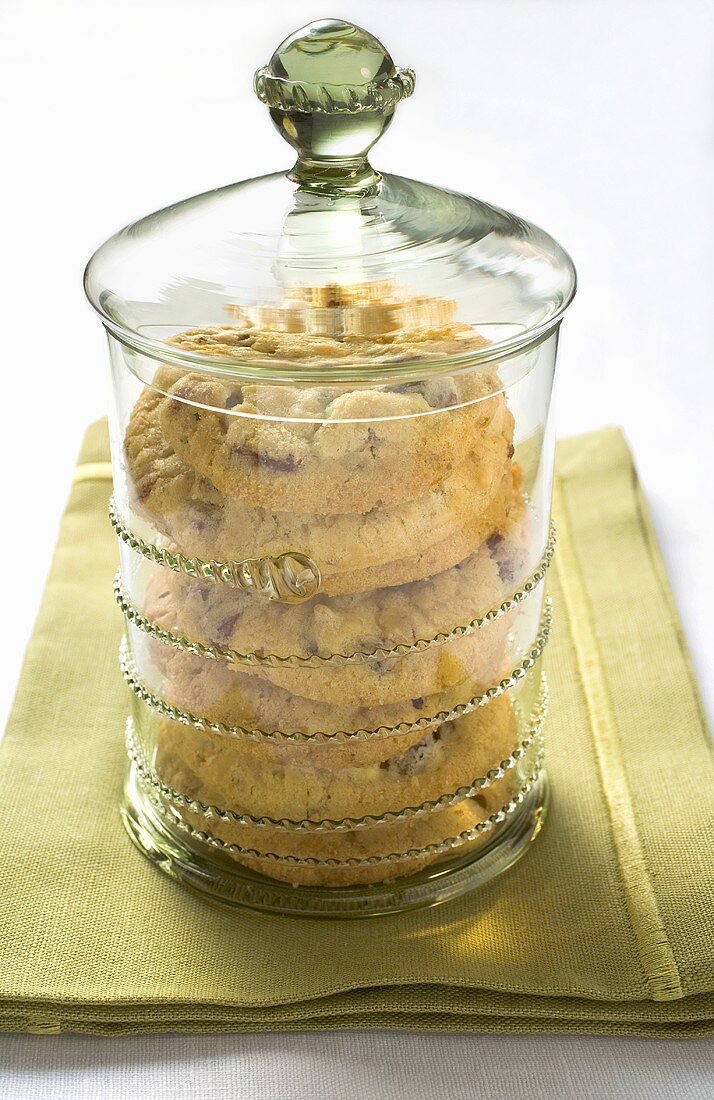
(325, 664)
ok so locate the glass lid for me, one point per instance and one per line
(367, 271)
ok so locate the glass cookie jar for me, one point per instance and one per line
(333, 457)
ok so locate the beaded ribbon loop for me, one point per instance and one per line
(292, 577)
(288, 578)
(319, 660)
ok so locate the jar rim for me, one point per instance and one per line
(335, 372)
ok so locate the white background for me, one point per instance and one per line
(592, 118)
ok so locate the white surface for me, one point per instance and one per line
(592, 118)
(360, 1066)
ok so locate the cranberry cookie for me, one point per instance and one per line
(325, 448)
(214, 772)
(353, 552)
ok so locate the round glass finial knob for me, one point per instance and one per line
(332, 88)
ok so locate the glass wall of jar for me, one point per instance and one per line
(334, 621)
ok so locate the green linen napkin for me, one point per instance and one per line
(605, 926)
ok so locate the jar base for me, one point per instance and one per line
(222, 881)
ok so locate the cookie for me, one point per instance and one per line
(206, 768)
(378, 321)
(214, 692)
(330, 450)
(363, 624)
(444, 759)
(158, 483)
(354, 552)
(404, 838)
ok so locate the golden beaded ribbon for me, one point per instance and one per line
(176, 714)
(140, 757)
(215, 652)
(441, 847)
(291, 577)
